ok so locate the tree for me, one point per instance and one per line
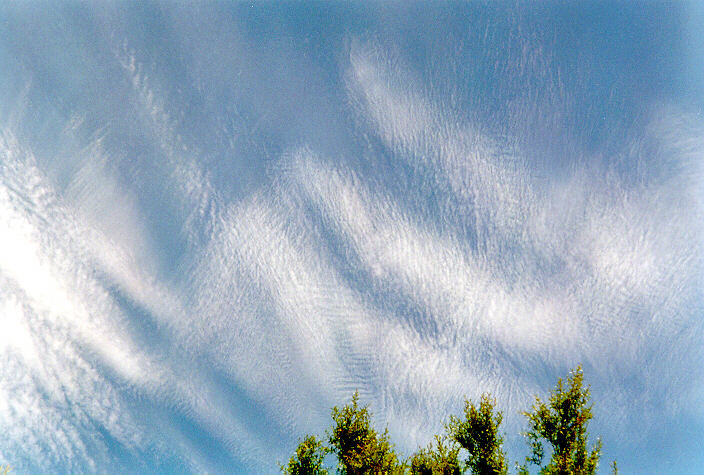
(478, 433)
(441, 459)
(562, 422)
(308, 459)
(359, 449)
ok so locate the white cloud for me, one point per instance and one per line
(598, 266)
(322, 283)
(62, 320)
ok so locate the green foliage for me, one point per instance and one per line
(478, 433)
(308, 458)
(562, 422)
(359, 449)
(441, 459)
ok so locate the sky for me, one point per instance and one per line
(219, 220)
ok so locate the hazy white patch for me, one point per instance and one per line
(61, 318)
(106, 205)
(17, 337)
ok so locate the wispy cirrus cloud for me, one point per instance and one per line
(601, 262)
(59, 314)
(152, 317)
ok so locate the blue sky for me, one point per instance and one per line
(218, 220)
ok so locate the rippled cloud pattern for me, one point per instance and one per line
(219, 220)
